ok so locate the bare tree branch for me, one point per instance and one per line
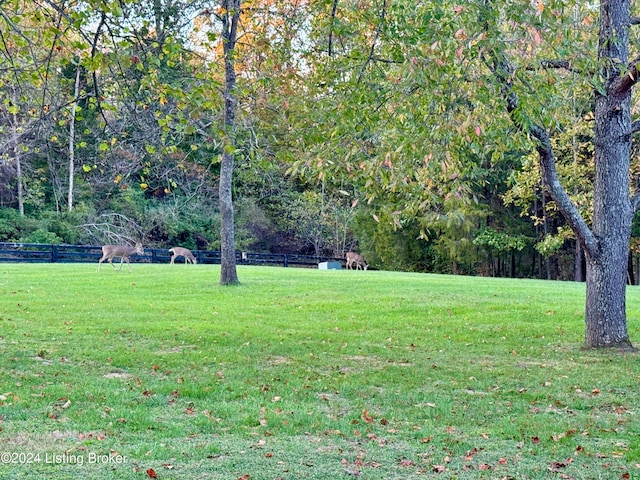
(334, 10)
(560, 64)
(383, 14)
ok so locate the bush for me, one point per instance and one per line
(41, 236)
(13, 226)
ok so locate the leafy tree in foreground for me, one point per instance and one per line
(431, 85)
(606, 241)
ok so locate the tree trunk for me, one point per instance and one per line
(545, 223)
(72, 140)
(228, 271)
(578, 265)
(605, 316)
(16, 155)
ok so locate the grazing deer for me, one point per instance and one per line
(356, 259)
(182, 252)
(122, 251)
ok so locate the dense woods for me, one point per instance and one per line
(469, 138)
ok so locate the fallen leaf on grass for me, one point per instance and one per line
(556, 466)
(366, 417)
(151, 473)
(470, 454)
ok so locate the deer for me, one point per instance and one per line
(122, 251)
(356, 259)
(182, 252)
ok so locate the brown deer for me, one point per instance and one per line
(356, 259)
(122, 251)
(182, 252)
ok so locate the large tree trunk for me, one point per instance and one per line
(228, 271)
(605, 316)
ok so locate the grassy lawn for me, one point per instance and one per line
(306, 374)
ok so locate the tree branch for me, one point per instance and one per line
(383, 14)
(504, 73)
(560, 64)
(334, 9)
(567, 207)
(626, 82)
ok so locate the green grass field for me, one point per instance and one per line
(306, 374)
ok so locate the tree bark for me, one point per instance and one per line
(605, 316)
(72, 139)
(16, 155)
(228, 270)
(606, 243)
(578, 264)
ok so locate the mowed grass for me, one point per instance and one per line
(306, 374)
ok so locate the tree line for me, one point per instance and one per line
(484, 138)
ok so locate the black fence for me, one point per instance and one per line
(46, 253)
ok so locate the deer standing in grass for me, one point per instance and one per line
(122, 251)
(182, 252)
(356, 259)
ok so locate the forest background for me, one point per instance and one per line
(366, 125)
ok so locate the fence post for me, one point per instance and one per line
(286, 260)
(54, 253)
